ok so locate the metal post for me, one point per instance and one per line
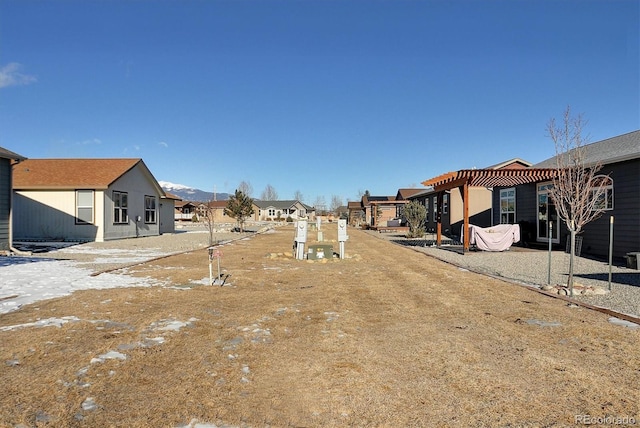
(610, 248)
(549, 263)
(210, 266)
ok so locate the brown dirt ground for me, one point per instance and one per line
(385, 337)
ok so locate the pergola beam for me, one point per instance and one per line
(466, 178)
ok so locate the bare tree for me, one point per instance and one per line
(246, 188)
(298, 196)
(320, 205)
(336, 203)
(269, 193)
(209, 218)
(577, 190)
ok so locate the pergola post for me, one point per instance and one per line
(439, 219)
(489, 177)
(465, 214)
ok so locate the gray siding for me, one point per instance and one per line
(137, 185)
(526, 209)
(595, 236)
(167, 216)
(5, 203)
(626, 213)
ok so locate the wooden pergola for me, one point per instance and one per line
(466, 178)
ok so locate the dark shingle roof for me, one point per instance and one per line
(8, 154)
(612, 150)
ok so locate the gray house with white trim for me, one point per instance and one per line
(274, 210)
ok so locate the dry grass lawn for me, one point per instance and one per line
(386, 337)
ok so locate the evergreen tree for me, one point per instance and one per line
(415, 214)
(240, 207)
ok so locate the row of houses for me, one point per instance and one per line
(79, 200)
(281, 210)
(104, 199)
(517, 192)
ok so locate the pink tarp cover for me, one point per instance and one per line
(495, 238)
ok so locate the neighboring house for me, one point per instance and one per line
(184, 210)
(528, 204)
(87, 200)
(7, 160)
(281, 210)
(167, 212)
(355, 212)
(452, 206)
(380, 210)
(405, 194)
(217, 209)
(342, 212)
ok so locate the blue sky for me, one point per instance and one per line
(329, 97)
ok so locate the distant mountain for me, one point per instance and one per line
(187, 193)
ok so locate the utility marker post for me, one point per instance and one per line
(210, 266)
(610, 248)
(549, 261)
(301, 238)
(342, 235)
(318, 223)
(214, 253)
(218, 255)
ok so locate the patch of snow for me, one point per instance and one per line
(111, 355)
(25, 280)
(49, 322)
(89, 404)
(171, 325)
(195, 424)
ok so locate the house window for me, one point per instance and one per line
(435, 208)
(547, 215)
(120, 208)
(272, 212)
(426, 206)
(604, 201)
(445, 203)
(508, 206)
(84, 206)
(149, 209)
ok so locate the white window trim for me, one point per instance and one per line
(508, 197)
(608, 189)
(124, 210)
(435, 208)
(78, 206)
(153, 211)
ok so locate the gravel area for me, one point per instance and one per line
(531, 267)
